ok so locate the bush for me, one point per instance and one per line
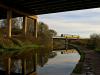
(78, 68)
(17, 42)
(97, 49)
(6, 43)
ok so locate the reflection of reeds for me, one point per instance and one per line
(12, 63)
(25, 60)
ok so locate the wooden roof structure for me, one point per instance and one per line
(37, 7)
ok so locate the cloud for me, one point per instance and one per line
(82, 22)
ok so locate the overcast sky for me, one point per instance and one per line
(80, 22)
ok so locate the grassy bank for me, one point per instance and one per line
(79, 66)
(16, 46)
(97, 50)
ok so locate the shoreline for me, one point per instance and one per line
(90, 65)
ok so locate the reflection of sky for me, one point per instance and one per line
(60, 64)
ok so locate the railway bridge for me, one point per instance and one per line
(67, 38)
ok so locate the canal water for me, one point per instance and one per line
(62, 63)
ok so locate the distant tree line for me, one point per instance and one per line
(92, 43)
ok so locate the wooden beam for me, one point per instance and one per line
(9, 22)
(18, 11)
(33, 17)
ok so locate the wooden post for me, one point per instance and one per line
(9, 22)
(52, 43)
(25, 25)
(23, 66)
(66, 43)
(35, 28)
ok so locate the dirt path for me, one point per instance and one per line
(91, 63)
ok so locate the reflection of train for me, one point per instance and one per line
(68, 51)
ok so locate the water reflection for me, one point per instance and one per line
(17, 63)
(68, 51)
(48, 63)
(62, 64)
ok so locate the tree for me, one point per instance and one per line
(45, 35)
(52, 32)
(16, 23)
(42, 27)
(94, 41)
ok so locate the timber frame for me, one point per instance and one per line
(8, 13)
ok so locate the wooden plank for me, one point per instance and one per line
(32, 17)
(18, 11)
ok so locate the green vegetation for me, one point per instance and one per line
(92, 43)
(19, 43)
(59, 44)
(12, 46)
(45, 35)
(95, 42)
(79, 67)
